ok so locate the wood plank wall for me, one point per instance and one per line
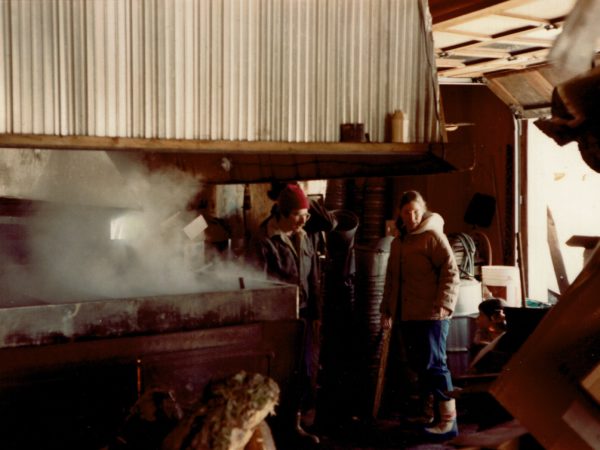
(450, 193)
(447, 193)
(493, 132)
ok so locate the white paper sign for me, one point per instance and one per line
(194, 229)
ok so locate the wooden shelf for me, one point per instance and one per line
(193, 146)
(262, 161)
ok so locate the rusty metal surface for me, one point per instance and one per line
(82, 389)
(48, 324)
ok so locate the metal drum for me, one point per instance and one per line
(460, 336)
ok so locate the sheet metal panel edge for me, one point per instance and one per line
(85, 320)
(203, 69)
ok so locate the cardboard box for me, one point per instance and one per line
(591, 383)
(539, 387)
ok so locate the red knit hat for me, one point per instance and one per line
(292, 197)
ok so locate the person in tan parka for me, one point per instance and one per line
(420, 293)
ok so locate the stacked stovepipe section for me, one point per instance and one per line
(352, 316)
(371, 266)
(338, 350)
(374, 210)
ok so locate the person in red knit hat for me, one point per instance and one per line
(293, 206)
(284, 251)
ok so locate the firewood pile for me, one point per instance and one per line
(230, 416)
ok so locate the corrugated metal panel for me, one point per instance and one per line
(285, 70)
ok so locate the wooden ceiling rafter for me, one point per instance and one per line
(527, 92)
(526, 41)
(515, 63)
(515, 35)
(497, 7)
(504, 94)
(447, 62)
(532, 19)
(503, 38)
(478, 53)
(471, 34)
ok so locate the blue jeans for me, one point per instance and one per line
(425, 342)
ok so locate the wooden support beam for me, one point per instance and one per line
(478, 52)
(191, 146)
(513, 48)
(231, 162)
(540, 84)
(556, 255)
(526, 41)
(443, 11)
(499, 37)
(380, 384)
(494, 8)
(532, 19)
(240, 168)
(516, 62)
(447, 62)
(468, 34)
(502, 92)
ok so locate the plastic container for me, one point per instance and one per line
(502, 282)
(469, 298)
(399, 127)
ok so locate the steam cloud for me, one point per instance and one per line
(83, 252)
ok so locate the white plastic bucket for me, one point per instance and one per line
(503, 282)
(469, 298)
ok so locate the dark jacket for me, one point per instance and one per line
(321, 222)
(275, 254)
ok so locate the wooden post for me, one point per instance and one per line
(556, 255)
(385, 347)
(522, 270)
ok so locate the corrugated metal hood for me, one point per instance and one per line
(234, 71)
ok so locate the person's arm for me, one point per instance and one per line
(259, 254)
(315, 300)
(389, 301)
(449, 278)
(321, 219)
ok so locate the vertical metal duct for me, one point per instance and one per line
(371, 265)
(283, 70)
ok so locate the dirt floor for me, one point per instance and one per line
(388, 434)
(392, 431)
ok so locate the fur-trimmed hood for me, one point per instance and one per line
(430, 222)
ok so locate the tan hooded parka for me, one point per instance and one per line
(422, 275)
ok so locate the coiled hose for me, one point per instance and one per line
(463, 244)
